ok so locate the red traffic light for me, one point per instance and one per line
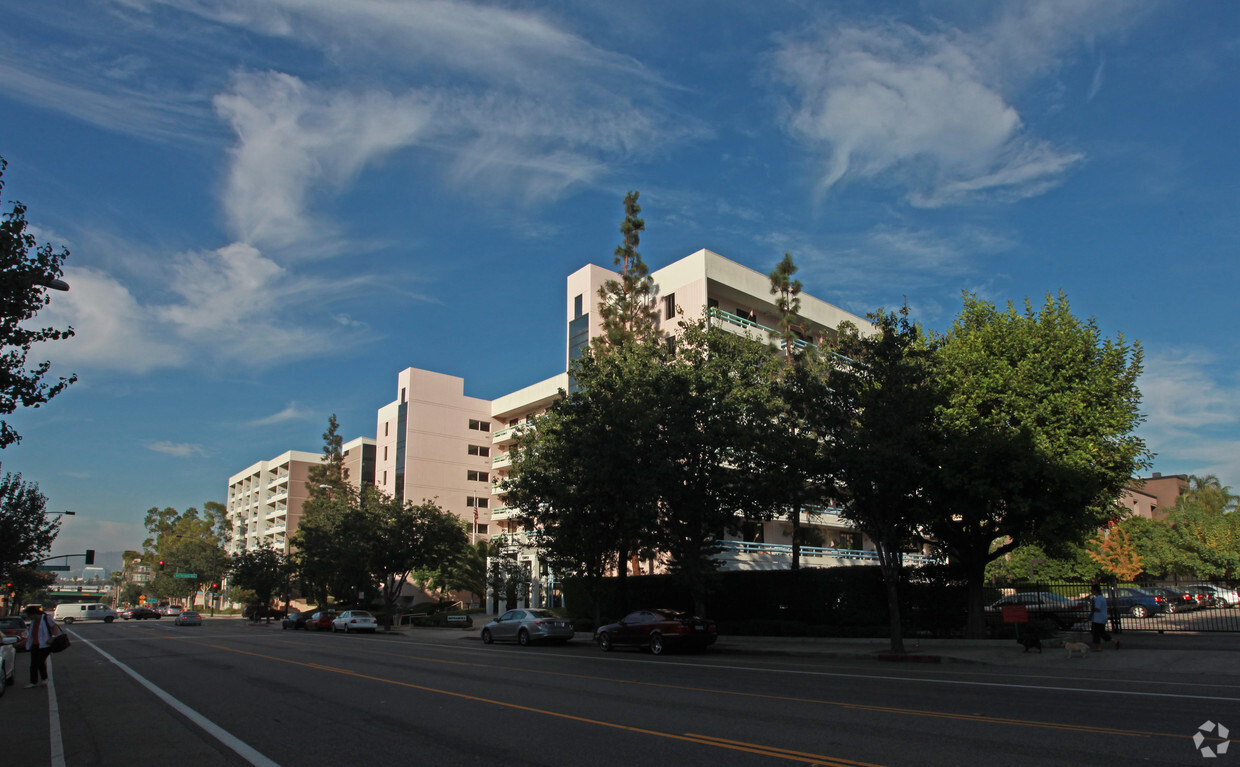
(161, 564)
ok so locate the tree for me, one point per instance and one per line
(880, 413)
(26, 532)
(626, 306)
(581, 479)
(793, 469)
(27, 270)
(262, 570)
(1036, 437)
(409, 538)
(330, 472)
(1117, 554)
(467, 571)
(189, 543)
(334, 547)
(706, 457)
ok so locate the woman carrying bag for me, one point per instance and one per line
(39, 640)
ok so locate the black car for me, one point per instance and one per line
(1042, 606)
(659, 630)
(140, 614)
(295, 620)
(1177, 601)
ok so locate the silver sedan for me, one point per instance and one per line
(528, 625)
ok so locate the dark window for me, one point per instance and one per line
(479, 425)
(577, 306)
(669, 306)
(479, 450)
(477, 502)
(712, 303)
(477, 476)
(482, 529)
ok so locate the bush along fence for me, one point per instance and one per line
(850, 601)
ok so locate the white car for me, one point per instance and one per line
(8, 661)
(355, 620)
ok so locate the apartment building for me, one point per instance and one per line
(265, 500)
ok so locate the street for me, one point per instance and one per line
(232, 693)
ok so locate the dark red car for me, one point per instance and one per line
(321, 621)
(659, 630)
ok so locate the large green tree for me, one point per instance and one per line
(27, 270)
(190, 543)
(881, 445)
(333, 548)
(409, 537)
(26, 531)
(262, 570)
(581, 479)
(1037, 433)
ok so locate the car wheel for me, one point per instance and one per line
(656, 644)
(486, 636)
(69, 621)
(1140, 611)
(346, 629)
(523, 637)
(108, 619)
(604, 642)
(334, 629)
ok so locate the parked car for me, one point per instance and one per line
(140, 614)
(1204, 597)
(321, 621)
(187, 618)
(1138, 603)
(169, 610)
(526, 626)
(355, 620)
(14, 626)
(8, 662)
(659, 630)
(1177, 601)
(1042, 606)
(1223, 596)
(294, 620)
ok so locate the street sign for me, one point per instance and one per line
(58, 568)
(186, 575)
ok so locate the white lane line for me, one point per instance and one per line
(242, 749)
(53, 719)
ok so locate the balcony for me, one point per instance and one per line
(776, 555)
(501, 461)
(504, 512)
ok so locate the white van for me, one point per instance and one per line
(86, 611)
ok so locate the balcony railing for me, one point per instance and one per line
(785, 550)
(500, 461)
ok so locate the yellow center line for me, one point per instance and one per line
(704, 740)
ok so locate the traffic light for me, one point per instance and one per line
(161, 565)
(90, 556)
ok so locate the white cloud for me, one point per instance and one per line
(290, 413)
(1192, 405)
(893, 103)
(177, 449)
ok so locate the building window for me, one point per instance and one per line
(386, 424)
(477, 476)
(669, 306)
(479, 450)
(476, 502)
(385, 452)
(712, 303)
(385, 476)
(577, 306)
(479, 425)
(482, 529)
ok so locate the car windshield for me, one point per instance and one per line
(542, 614)
(189, 614)
(359, 614)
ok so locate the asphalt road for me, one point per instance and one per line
(230, 693)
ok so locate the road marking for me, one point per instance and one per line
(752, 748)
(53, 718)
(242, 749)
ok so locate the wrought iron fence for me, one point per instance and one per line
(1202, 606)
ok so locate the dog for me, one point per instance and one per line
(1030, 642)
(1076, 647)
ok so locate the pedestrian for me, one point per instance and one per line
(39, 644)
(1098, 620)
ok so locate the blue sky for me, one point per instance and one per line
(273, 207)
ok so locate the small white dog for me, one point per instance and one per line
(1076, 647)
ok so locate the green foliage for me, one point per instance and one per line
(26, 270)
(626, 307)
(1031, 564)
(187, 542)
(407, 538)
(1037, 433)
(26, 532)
(330, 472)
(263, 571)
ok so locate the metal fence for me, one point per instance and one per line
(1131, 606)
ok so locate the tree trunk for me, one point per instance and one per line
(796, 535)
(892, 567)
(976, 626)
